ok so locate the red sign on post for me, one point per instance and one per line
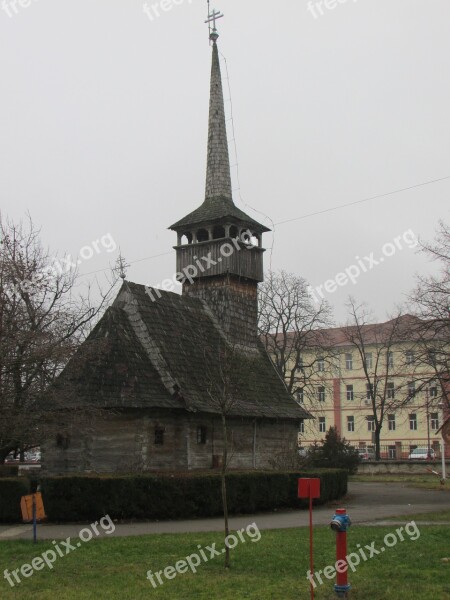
(309, 488)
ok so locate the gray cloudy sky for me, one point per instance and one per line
(103, 128)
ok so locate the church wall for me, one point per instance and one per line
(127, 442)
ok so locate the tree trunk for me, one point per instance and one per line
(224, 488)
(377, 443)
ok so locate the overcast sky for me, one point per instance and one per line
(103, 128)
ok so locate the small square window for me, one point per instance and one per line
(409, 357)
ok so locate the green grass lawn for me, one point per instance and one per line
(273, 568)
(425, 481)
(442, 516)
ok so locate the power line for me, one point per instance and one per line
(319, 212)
(326, 210)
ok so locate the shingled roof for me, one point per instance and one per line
(215, 209)
(163, 353)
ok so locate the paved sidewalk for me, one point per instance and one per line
(367, 503)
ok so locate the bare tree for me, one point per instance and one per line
(225, 367)
(430, 302)
(42, 322)
(387, 388)
(293, 329)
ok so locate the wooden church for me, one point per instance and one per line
(169, 368)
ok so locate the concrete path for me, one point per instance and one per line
(367, 503)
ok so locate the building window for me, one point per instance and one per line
(413, 422)
(390, 359)
(321, 393)
(201, 434)
(320, 364)
(434, 421)
(300, 366)
(322, 425)
(350, 393)
(302, 426)
(391, 422)
(432, 357)
(409, 356)
(348, 362)
(392, 452)
(159, 436)
(371, 423)
(368, 360)
(433, 391)
(390, 390)
(62, 441)
(300, 395)
(411, 389)
(350, 424)
(369, 391)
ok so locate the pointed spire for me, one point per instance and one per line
(218, 176)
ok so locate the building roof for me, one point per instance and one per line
(373, 333)
(165, 353)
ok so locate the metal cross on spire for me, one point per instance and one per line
(121, 266)
(212, 18)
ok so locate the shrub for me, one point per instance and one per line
(160, 497)
(11, 491)
(334, 452)
(9, 470)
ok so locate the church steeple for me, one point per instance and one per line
(219, 247)
(218, 177)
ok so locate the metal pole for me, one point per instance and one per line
(428, 427)
(34, 520)
(311, 553)
(444, 475)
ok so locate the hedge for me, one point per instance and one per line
(9, 470)
(158, 497)
(11, 491)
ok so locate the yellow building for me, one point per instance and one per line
(365, 367)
